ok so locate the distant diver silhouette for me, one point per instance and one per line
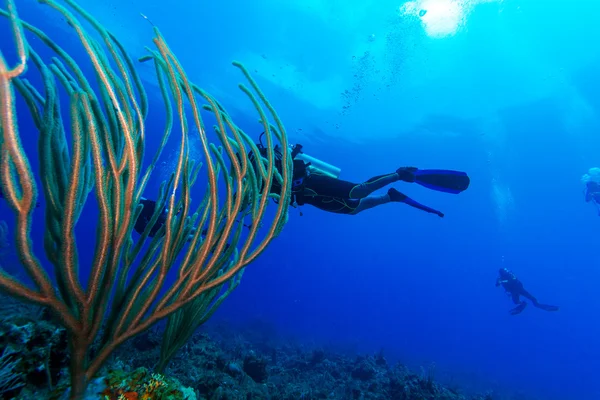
(591, 180)
(515, 289)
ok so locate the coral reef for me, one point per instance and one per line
(37, 349)
(221, 363)
(99, 148)
(143, 385)
(246, 365)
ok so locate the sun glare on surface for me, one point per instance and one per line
(440, 18)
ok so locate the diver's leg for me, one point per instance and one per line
(515, 298)
(368, 202)
(333, 195)
(546, 307)
(364, 189)
(406, 174)
(317, 185)
(324, 185)
(354, 206)
(529, 296)
(336, 205)
(520, 304)
(340, 205)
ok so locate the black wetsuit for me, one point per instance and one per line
(515, 289)
(339, 196)
(146, 216)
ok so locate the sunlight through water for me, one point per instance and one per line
(441, 18)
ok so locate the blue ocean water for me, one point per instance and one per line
(504, 90)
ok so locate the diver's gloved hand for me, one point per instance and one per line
(407, 174)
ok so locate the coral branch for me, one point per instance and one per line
(101, 150)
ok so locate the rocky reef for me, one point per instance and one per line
(222, 363)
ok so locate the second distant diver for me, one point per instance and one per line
(591, 182)
(592, 194)
(329, 193)
(514, 288)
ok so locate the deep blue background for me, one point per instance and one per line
(510, 98)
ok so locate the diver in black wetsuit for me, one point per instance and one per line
(339, 196)
(515, 289)
(310, 186)
(343, 197)
(146, 216)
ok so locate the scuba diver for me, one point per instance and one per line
(592, 194)
(591, 181)
(514, 288)
(317, 183)
(146, 216)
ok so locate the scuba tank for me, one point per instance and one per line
(313, 164)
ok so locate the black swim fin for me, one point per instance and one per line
(547, 307)
(443, 180)
(396, 196)
(518, 309)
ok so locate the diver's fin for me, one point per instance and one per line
(547, 307)
(396, 196)
(518, 309)
(443, 180)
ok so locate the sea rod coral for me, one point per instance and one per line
(94, 155)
